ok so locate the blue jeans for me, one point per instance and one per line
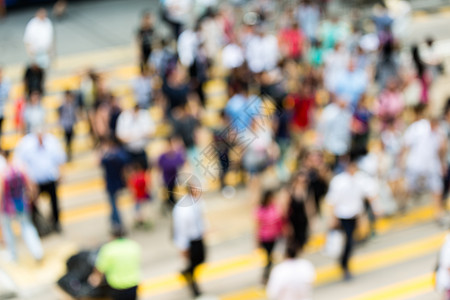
(29, 235)
(115, 215)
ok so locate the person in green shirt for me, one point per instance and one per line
(119, 263)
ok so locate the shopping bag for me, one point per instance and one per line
(334, 244)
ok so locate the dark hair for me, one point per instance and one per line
(420, 108)
(291, 250)
(267, 197)
(118, 232)
(447, 107)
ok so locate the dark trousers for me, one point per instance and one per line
(126, 294)
(50, 189)
(68, 134)
(348, 225)
(268, 248)
(1, 125)
(446, 189)
(139, 157)
(197, 256)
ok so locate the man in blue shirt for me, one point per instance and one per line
(352, 85)
(113, 163)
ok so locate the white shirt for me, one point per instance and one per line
(39, 35)
(41, 162)
(346, 194)
(262, 53)
(187, 47)
(291, 280)
(188, 223)
(334, 129)
(135, 129)
(232, 56)
(443, 273)
(424, 145)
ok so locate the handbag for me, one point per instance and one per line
(334, 244)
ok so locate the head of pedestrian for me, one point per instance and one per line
(35, 98)
(118, 232)
(41, 14)
(68, 96)
(352, 165)
(300, 178)
(194, 189)
(146, 20)
(446, 116)
(267, 198)
(420, 111)
(351, 65)
(292, 250)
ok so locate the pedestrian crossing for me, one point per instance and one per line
(83, 199)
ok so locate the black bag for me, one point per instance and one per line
(43, 226)
(75, 282)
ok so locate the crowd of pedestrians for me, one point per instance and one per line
(328, 107)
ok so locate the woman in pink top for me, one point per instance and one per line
(390, 104)
(269, 227)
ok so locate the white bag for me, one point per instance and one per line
(334, 244)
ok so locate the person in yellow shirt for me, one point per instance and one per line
(119, 263)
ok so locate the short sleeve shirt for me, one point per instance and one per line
(120, 261)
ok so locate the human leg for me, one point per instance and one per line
(31, 237)
(8, 235)
(115, 216)
(348, 225)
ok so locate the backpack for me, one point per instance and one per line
(15, 185)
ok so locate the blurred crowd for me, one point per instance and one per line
(328, 106)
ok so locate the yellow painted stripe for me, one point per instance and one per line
(414, 287)
(360, 264)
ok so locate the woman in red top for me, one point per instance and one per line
(291, 41)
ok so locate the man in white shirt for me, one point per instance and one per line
(424, 145)
(346, 196)
(443, 270)
(134, 129)
(262, 52)
(188, 232)
(42, 155)
(334, 128)
(292, 279)
(38, 39)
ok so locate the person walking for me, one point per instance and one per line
(119, 262)
(269, 223)
(39, 39)
(42, 156)
(134, 128)
(188, 232)
(424, 149)
(346, 196)
(170, 162)
(5, 87)
(145, 39)
(17, 191)
(113, 162)
(443, 269)
(300, 210)
(292, 279)
(68, 118)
